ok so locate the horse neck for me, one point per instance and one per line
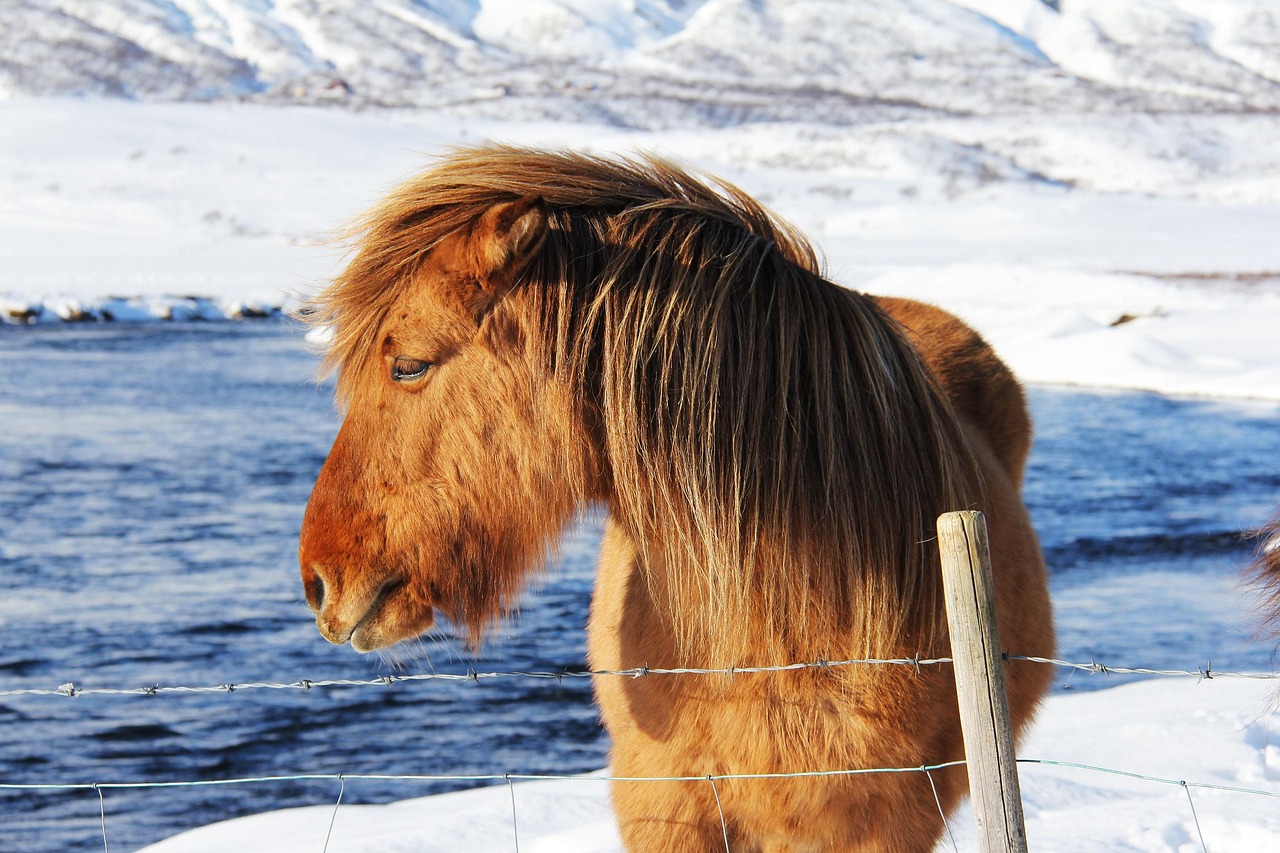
(675, 596)
(760, 534)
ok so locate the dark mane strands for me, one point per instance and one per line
(763, 425)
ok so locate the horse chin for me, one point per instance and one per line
(379, 631)
(369, 639)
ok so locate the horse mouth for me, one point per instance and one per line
(371, 632)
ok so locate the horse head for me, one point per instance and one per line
(441, 489)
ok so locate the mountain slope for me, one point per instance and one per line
(657, 62)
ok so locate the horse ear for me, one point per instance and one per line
(507, 237)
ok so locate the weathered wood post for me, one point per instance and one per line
(979, 667)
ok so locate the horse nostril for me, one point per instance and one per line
(315, 592)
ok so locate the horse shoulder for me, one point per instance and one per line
(981, 388)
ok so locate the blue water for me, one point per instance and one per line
(152, 482)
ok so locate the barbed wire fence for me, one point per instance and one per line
(978, 666)
(1092, 667)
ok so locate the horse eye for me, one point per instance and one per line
(405, 369)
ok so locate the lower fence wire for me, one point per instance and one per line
(478, 778)
(584, 777)
(1209, 786)
(511, 778)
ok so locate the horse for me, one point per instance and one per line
(521, 334)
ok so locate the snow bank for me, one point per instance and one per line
(1210, 337)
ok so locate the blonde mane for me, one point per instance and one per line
(772, 437)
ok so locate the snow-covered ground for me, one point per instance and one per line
(1096, 190)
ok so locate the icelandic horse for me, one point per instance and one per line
(524, 333)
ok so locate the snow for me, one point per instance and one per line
(1096, 189)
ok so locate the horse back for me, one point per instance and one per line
(982, 390)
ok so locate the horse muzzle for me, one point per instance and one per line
(369, 618)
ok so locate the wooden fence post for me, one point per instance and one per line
(979, 667)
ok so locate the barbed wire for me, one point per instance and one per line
(1093, 667)
(71, 690)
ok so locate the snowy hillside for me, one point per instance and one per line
(657, 62)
